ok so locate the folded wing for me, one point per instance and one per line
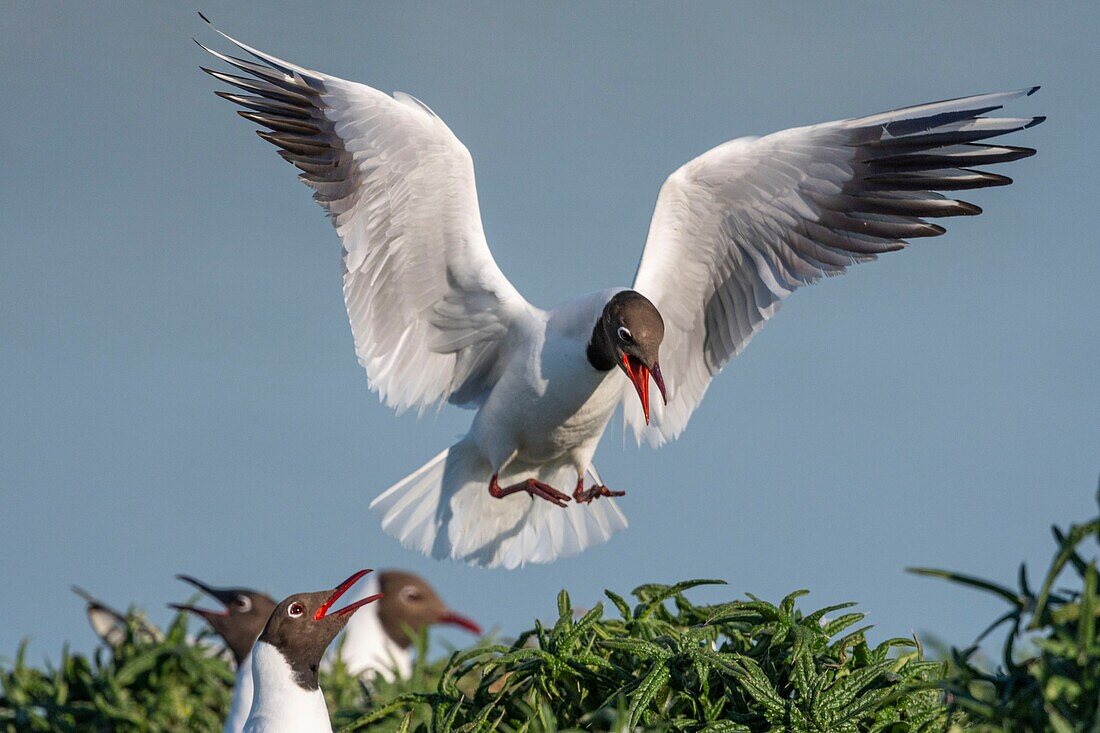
(742, 226)
(428, 305)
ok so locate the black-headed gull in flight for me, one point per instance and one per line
(734, 232)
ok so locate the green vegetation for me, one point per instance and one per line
(140, 685)
(1055, 684)
(739, 666)
(658, 662)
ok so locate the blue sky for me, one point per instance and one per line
(180, 391)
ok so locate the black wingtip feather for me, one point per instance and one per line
(1036, 121)
(305, 146)
(209, 23)
(279, 123)
(938, 158)
(958, 179)
(1033, 90)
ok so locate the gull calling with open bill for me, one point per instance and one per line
(286, 660)
(434, 319)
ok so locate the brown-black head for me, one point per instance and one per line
(409, 604)
(244, 614)
(629, 335)
(302, 626)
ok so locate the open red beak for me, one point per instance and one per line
(457, 619)
(341, 589)
(639, 374)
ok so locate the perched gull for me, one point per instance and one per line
(434, 319)
(110, 625)
(243, 618)
(286, 659)
(377, 641)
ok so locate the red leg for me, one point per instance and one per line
(587, 497)
(578, 493)
(532, 487)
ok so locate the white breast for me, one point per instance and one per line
(550, 402)
(366, 648)
(242, 698)
(279, 704)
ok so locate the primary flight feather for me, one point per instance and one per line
(734, 232)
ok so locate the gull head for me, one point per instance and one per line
(634, 329)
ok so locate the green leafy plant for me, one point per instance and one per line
(166, 686)
(669, 664)
(1049, 673)
(663, 664)
(139, 685)
(350, 699)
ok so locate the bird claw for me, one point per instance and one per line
(583, 496)
(545, 491)
(533, 487)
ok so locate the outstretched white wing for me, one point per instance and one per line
(744, 225)
(428, 305)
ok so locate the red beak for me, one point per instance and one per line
(341, 589)
(639, 374)
(457, 619)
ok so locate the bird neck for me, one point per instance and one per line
(598, 350)
(239, 651)
(280, 696)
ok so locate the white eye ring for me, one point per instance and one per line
(625, 334)
(411, 593)
(295, 610)
(244, 604)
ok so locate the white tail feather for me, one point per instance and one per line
(444, 510)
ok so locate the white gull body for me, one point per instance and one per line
(542, 418)
(280, 704)
(241, 704)
(734, 232)
(366, 649)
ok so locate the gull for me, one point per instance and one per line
(377, 641)
(434, 320)
(239, 624)
(110, 625)
(287, 656)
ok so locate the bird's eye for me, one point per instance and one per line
(296, 610)
(411, 593)
(244, 604)
(625, 334)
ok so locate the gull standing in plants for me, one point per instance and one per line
(287, 657)
(434, 319)
(239, 624)
(377, 640)
(110, 625)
